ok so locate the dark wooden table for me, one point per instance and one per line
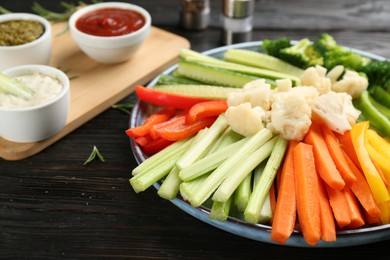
(52, 206)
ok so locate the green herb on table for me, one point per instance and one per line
(125, 107)
(95, 153)
(4, 11)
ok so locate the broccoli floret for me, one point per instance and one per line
(378, 73)
(324, 43)
(273, 47)
(302, 54)
(341, 56)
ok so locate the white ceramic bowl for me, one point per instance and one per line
(110, 49)
(35, 52)
(38, 122)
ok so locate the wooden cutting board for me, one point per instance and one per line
(96, 87)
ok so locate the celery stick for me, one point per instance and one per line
(160, 157)
(240, 171)
(170, 186)
(243, 192)
(187, 189)
(186, 54)
(226, 138)
(220, 173)
(220, 210)
(210, 161)
(159, 169)
(256, 201)
(266, 211)
(203, 143)
(11, 86)
(261, 60)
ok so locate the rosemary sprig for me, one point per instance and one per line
(4, 11)
(126, 107)
(95, 153)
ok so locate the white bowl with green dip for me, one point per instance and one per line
(24, 39)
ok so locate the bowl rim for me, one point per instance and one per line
(76, 15)
(45, 70)
(27, 16)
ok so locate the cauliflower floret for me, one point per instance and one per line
(283, 85)
(335, 73)
(290, 115)
(335, 110)
(256, 92)
(307, 92)
(351, 83)
(316, 77)
(244, 119)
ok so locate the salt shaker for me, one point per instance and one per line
(195, 14)
(237, 20)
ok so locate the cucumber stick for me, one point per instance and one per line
(10, 86)
(261, 60)
(203, 91)
(213, 76)
(236, 67)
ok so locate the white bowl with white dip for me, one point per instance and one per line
(44, 114)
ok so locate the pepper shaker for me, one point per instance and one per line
(195, 14)
(237, 20)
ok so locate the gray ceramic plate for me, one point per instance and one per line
(237, 226)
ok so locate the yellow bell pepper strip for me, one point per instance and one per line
(359, 137)
(379, 143)
(382, 162)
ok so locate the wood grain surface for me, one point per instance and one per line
(54, 207)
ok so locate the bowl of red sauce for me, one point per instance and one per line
(110, 32)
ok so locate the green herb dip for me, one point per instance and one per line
(18, 32)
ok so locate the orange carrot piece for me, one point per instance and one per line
(340, 207)
(372, 220)
(323, 160)
(354, 209)
(328, 226)
(337, 156)
(306, 188)
(347, 145)
(362, 190)
(285, 212)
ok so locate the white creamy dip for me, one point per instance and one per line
(45, 87)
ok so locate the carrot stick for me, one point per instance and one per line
(340, 207)
(362, 190)
(306, 188)
(323, 160)
(354, 209)
(285, 212)
(328, 226)
(372, 220)
(337, 156)
(347, 145)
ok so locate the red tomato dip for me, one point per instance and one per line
(110, 22)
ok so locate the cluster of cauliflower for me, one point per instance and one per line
(288, 110)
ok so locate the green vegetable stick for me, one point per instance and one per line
(243, 192)
(219, 174)
(203, 143)
(11, 86)
(220, 210)
(170, 186)
(256, 201)
(240, 171)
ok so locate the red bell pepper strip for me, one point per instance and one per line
(184, 130)
(172, 122)
(206, 109)
(160, 116)
(156, 145)
(165, 99)
(143, 140)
